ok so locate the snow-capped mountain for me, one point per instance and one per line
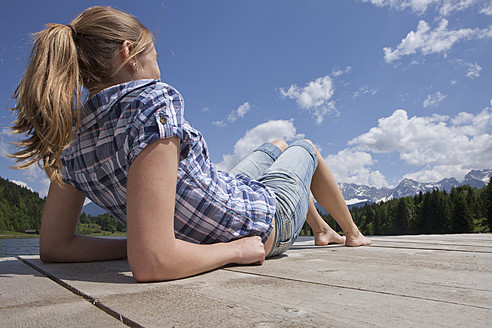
(354, 193)
(360, 194)
(477, 178)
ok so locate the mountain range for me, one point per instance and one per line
(358, 195)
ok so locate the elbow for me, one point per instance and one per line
(46, 255)
(143, 276)
(154, 274)
(49, 251)
(151, 270)
(141, 273)
(149, 275)
(149, 263)
(44, 258)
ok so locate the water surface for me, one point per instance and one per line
(19, 246)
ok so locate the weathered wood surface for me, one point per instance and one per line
(29, 299)
(399, 281)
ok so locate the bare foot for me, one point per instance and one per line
(358, 239)
(328, 236)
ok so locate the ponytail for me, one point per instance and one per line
(46, 105)
(65, 59)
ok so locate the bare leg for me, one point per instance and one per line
(323, 233)
(327, 193)
(269, 242)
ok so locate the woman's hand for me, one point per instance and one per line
(250, 249)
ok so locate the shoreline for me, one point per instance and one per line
(20, 235)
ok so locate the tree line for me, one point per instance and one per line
(103, 223)
(21, 210)
(463, 209)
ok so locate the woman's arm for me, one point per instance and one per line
(153, 251)
(58, 241)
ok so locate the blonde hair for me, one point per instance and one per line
(64, 60)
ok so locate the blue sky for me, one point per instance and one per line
(386, 89)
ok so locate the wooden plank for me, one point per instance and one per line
(28, 299)
(465, 242)
(229, 298)
(442, 276)
(477, 240)
(309, 286)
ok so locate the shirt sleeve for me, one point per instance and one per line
(159, 115)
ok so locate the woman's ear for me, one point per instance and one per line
(126, 49)
(125, 66)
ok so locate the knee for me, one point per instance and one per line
(312, 144)
(307, 140)
(282, 145)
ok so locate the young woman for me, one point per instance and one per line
(130, 150)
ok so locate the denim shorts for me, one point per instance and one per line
(288, 174)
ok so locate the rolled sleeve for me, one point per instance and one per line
(160, 116)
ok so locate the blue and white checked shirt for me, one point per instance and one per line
(120, 121)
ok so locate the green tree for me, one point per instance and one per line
(440, 216)
(461, 216)
(402, 217)
(487, 200)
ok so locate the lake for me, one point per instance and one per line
(21, 246)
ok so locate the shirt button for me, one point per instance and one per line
(163, 120)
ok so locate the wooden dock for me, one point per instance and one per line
(399, 281)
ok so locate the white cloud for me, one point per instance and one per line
(4, 148)
(442, 146)
(265, 132)
(427, 41)
(219, 124)
(418, 6)
(438, 143)
(364, 91)
(434, 100)
(462, 118)
(37, 180)
(239, 112)
(353, 166)
(22, 184)
(234, 115)
(37, 177)
(444, 7)
(437, 173)
(487, 9)
(338, 72)
(315, 97)
(6, 132)
(449, 6)
(473, 70)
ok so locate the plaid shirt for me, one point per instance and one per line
(211, 205)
